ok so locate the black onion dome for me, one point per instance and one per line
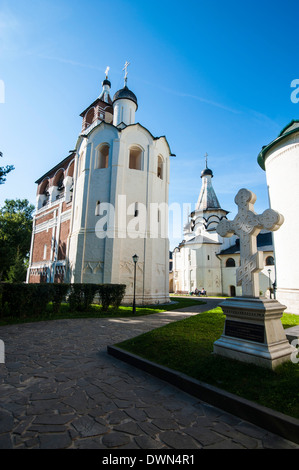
(207, 172)
(125, 93)
(106, 82)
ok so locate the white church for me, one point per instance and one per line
(101, 205)
(205, 260)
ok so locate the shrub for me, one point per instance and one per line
(20, 299)
(81, 296)
(59, 293)
(111, 294)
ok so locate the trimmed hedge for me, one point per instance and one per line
(19, 299)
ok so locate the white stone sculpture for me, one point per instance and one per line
(247, 225)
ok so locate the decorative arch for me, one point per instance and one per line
(70, 168)
(44, 186)
(58, 178)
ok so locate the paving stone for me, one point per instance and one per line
(6, 422)
(55, 441)
(146, 442)
(65, 391)
(176, 440)
(87, 426)
(115, 439)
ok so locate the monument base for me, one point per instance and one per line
(253, 332)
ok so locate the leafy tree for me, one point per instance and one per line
(15, 235)
(17, 270)
(4, 170)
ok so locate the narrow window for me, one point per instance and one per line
(45, 252)
(135, 158)
(103, 157)
(97, 211)
(269, 261)
(160, 167)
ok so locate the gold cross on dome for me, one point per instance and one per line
(106, 71)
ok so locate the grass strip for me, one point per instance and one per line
(96, 311)
(187, 346)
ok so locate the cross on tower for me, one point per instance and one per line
(206, 157)
(247, 225)
(126, 71)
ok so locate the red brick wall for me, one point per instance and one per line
(40, 240)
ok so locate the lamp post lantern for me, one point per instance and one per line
(135, 259)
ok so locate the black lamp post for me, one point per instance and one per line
(270, 288)
(135, 259)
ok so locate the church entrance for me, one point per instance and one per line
(232, 291)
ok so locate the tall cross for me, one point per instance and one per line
(126, 71)
(106, 71)
(206, 157)
(247, 225)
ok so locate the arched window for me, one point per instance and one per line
(269, 261)
(135, 158)
(102, 160)
(160, 167)
(230, 263)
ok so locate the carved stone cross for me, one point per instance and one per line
(247, 225)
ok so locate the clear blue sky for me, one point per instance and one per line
(211, 76)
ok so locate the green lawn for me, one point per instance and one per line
(96, 311)
(187, 346)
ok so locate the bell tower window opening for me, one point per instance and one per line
(103, 157)
(269, 261)
(89, 117)
(135, 158)
(230, 263)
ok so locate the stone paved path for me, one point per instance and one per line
(60, 389)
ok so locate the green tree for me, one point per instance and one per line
(15, 234)
(17, 270)
(4, 170)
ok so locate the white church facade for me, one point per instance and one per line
(280, 160)
(104, 203)
(205, 260)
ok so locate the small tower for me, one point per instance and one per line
(208, 212)
(124, 104)
(101, 109)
